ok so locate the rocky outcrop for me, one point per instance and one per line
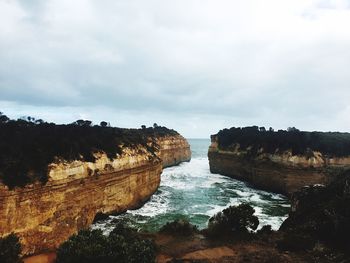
(174, 150)
(320, 215)
(280, 172)
(43, 216)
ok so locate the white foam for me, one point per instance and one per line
(243, 193)
(194, 180)
(158, 204)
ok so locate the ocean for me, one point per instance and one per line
(189, 191)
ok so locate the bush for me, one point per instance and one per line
(86, 246)
(296, 242)
(121, 229)
(28, 146)
(179, 227)
(299, 142)
(265, 233)
(265, 230)
(10, 249)
(122, 245)
(321, 214)
(234, 219)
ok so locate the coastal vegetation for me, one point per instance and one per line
(181, 227)
(234, 220)
(28, 145)
(316, 231)
(255, 138)
(122, 245)
(10, 249)
(321, 214)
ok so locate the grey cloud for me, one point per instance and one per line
(224, 63)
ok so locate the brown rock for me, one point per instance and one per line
(280, 172)
(44, 216)
(174, 150)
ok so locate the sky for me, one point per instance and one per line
(196, 66)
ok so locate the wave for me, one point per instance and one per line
(191, 191)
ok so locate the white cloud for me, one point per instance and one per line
(216, 62)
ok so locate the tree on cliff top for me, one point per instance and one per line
(299, 142)
(103, 124)
(29, 145)
(3, 118)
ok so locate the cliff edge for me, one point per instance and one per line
(44, 213)
(282, 161)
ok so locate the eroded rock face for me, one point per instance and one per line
(44, 216)
(168, 155)
(280, 172)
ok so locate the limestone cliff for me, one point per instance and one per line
(174, 150)
(43, 216)
(280, 172)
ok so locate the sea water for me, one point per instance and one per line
(189, 191)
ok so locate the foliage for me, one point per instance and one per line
(234, 219)
(29, 145)
(103, 124)
(10, 249)
(3, 118)
(299, 142)
(295, 242)
(320, 214)
(179, 227)
(265, 230)
(122, 245)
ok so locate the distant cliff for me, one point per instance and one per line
(282, 161)
(173, 150)
(45, 213)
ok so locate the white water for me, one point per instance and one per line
(190, 191)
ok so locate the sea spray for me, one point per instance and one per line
(190, 191)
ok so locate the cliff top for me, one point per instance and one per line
(299, 142)
(29, 145)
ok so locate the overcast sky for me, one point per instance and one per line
(195, 66)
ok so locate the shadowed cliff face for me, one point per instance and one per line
(320, 216)
(282, 172)
(43, 216)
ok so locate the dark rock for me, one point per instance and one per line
(320, 214)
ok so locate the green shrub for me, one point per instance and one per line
(29, 145)
(86, 246)
(122, 245)
(10, 249)
(265, 230)
(234, 219)
(299, 142)
(296, 242)
(121, 229)
(179, 227)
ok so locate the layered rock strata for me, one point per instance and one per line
(174, 150)
(280, 172)
(43, 216)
